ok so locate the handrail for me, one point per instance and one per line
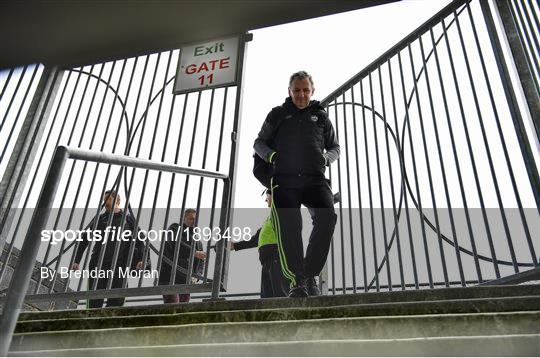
(23, 271)
(393, 50)
(124, 160)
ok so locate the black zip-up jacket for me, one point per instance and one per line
(171, 245)
(304, 142)
(103, 222)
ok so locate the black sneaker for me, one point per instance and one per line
(312, 287)
(299, 290)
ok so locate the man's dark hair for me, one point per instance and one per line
(300, 75)
(189, 211)
(111, 193)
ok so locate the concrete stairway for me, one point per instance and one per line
(489, 321)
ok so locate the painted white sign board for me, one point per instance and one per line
(206, 65)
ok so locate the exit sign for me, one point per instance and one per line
(207, 65)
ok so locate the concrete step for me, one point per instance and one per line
(498, 345)
(356, 328)
(443, 294)
(471, 305)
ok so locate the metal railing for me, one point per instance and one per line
(33, 240)
(126, 108)
(17, 87)
(438, 180)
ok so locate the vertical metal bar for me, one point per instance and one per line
(10, 134)
(144, 116)
(402, 172)
(375, 260)
(23, 272)
(530, 90)
(32, 183)
(15, 92)
(473, 162)
(186, 186)
(116, 186)
(24, 151)
(488, 151)
(220, 245)
(413, 157)
(459, 175)
(535, 16)
(428, 162)
(443, 171)
(62, 245)
(47, 137)
(90, 190)
(171, 188)
(214, 195)
(391, 173)
(531, 95)
(381, 198)
(353, 267)
(235, 135)
(158, 185)
(132, 246)
(132, 134)
(342, 239)
(206, 141)
(131, 137)
(526, 41)
(323, 280)
(83, 174)
(332, 241)
(201, 182)
(6, 83)
(141, 202)
(360, 213)
(503, 142)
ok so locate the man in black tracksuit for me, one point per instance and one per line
(116, 223)
(299, 140)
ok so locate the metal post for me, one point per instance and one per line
(527, 83)
(323, 280)
(221, 262)
(235, 135)
(521, 61)
(20, 162)
(23, 271)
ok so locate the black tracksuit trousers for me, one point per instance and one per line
(286, 204)
(273, 283)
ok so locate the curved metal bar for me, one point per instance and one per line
(115, 91)
(400, 206)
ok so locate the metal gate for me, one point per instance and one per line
(124, 108)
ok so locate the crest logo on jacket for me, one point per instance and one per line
(314, 118)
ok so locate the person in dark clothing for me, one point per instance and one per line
(110, 225)
(299, 140)
(184, 249)
(273, 283)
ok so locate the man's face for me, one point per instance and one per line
(109, 200)
(189, 219)
(301, 92)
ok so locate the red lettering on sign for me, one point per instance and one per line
(191, 69)
(212, 65)
(224, 63)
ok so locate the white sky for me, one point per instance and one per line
(331, 48)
